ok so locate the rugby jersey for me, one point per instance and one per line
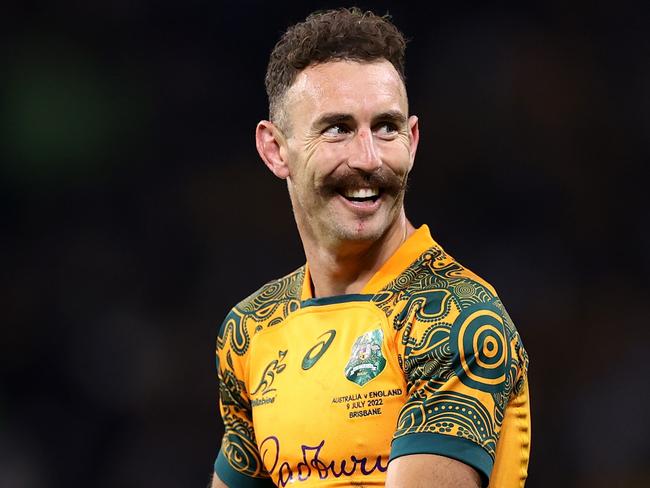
(327, 390)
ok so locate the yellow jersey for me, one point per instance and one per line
(326, 391)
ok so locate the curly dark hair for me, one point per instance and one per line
(338, 34)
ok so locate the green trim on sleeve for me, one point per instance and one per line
(460, 449)
(235, 479)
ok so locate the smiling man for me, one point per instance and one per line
(382, 361)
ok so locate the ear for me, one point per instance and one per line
(272, 148)
(414, 136)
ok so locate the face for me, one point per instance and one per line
(348, 148)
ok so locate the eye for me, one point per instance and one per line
(386, 129)
(336, 130)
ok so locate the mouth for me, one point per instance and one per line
(361, 195)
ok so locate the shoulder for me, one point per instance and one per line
(433, 281)
(438, 297)
(267, 306)
(281, 290)
(435, 268)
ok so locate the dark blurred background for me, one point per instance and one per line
(135, 212)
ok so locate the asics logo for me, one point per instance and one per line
(317, 350)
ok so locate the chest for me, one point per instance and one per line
(326, 390)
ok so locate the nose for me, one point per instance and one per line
(363, 152)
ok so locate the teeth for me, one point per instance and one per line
(362, 193)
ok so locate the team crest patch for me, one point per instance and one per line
(366, 360)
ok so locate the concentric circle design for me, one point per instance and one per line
(482, 348)
(242, 453)
(465, 289)
(272, 290)
(402, 280)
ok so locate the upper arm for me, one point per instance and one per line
(239, 462)
(463, 362)
(424, 470)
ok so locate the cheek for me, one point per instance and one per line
(324, 159)
(397, 155)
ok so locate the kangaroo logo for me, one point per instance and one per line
(275, 367)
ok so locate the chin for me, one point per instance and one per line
(358, 231)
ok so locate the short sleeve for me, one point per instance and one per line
(238, 463)
(463, 361)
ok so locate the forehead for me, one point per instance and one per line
(347, 87)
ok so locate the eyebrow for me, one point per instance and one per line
(392, 115)
(333, 118)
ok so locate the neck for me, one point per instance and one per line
(345, 267)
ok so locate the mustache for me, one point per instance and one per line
(382, 178)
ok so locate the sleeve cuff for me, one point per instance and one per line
(234, 478)
(457, 448)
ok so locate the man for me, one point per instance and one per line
(382, 361)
